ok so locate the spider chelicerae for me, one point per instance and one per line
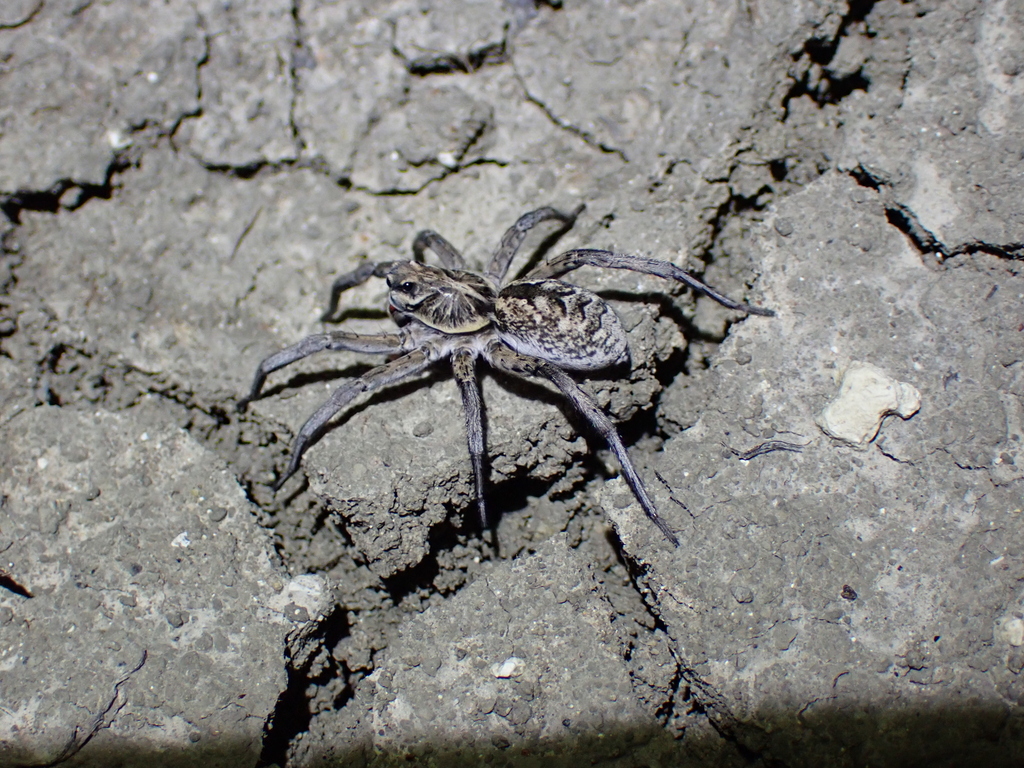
(535, 326)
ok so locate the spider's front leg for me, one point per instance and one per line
(446, 252)
(580, 257)
(384, 344)
(357, 276)
(505, 359)
(463, 364)
(381, 376)
(515, 235)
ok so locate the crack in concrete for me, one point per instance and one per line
(300, 57)
(924, 241)
(586, 137)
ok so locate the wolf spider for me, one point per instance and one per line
(534, 326)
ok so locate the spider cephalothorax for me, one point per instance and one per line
(448, 300)
(535, 326)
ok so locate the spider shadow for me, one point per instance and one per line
(540, 391)
(323, 513)
(642, 424)
(506, 496)
(298, 381)
(394, 392)
(669, 305)
(361, 313)
(538, 254)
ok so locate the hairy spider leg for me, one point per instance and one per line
(383, 344)
(381, 376)
(506, 359)
(464, 366)
(357, 276)
(580, 257)
(514, 236)
(446, 252)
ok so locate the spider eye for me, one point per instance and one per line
(408, 287)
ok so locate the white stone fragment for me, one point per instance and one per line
(510, 667)
(118, 140)
(306, 598)
(867, 395)
(1010, 629)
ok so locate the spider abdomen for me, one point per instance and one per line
(561, 323)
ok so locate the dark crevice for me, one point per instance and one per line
(859, 10)
(301, 58)
(865, 179)
(291, 716)
(898, 215)
(397, 192)
(8, 582)
(294, 711)
(487, 55)
(778, 169)
(586, 137)
(415, 578)
(490, 55)
(824, 89)
(42, 201)
(821, 82)
(25, 18)
(901, 217)
(690, 694)
(246, 172)
(678, 691)
(266, 168)
(738, 205)
(923, 240)
(660, 178)
(65, 194)
(1004, 250)
(680, 702)
(821, 51)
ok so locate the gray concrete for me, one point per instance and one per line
(145, 611)
(182, 184)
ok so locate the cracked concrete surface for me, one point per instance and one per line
(181, 184)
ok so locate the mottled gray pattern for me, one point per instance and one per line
(452, 301)
(535, 328)
(563, 323)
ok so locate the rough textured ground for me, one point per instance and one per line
(181, 183)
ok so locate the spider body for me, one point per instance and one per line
(537, 326)
(563, 323)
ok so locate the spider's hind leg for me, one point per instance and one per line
(580, 257)
(505, 359)
(463, 364)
